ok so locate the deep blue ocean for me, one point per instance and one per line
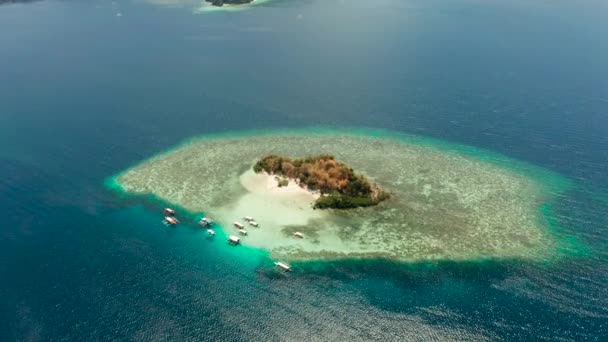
(88, 88)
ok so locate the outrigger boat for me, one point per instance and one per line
(210, 232)
(243, 232)
(238, 225)
(205, 222)
(248, 218)
(283, 266)
(298, 235)
(234, 240)
(169, 212)
(254, 224)
(171, 221)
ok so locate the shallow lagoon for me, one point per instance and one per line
(448, 202)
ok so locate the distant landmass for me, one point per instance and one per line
(5, 2)
(220, 3)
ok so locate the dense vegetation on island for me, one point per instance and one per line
(339, 185)
(220, 3)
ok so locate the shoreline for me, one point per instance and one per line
(264, 182)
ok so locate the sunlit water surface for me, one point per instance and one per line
(89, 88)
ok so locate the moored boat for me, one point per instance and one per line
(205, 222)
(283, 266)
(234, 240)
(170, 220)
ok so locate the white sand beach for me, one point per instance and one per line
(263, 183)
(273, 207)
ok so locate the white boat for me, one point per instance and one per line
(211, 232)
(242, 232)
(238, 225)
(170, 220)
(254, 224)
(298, 235)
(234, 240)
(248, 218)
(168, 212)
(205, 222)
(285, 267)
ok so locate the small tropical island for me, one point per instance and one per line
(447, 202)
(220, 3)
(340, 187)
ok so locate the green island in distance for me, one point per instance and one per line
(207, 6)
(447, 202)
(340, 187)
(220, 3)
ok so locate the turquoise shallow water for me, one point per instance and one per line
(87, 93)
